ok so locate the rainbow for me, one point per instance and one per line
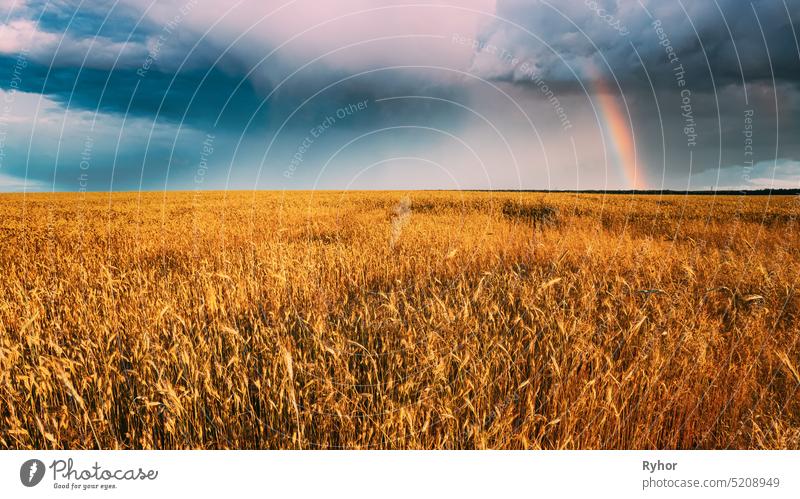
(616, 124)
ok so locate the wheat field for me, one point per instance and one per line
(410, 320)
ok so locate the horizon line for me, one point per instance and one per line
(723, 192)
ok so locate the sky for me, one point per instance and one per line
(130, 95)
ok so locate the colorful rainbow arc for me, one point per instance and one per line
(617, 125)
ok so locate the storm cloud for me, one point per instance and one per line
(382, 94)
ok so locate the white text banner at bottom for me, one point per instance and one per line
(385, 474)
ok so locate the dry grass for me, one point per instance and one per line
(398, 320)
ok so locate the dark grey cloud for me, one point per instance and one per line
(183, 76)
(196, 97)
(560, 38)
(105, 19)
(178, 70)
(640, 51)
